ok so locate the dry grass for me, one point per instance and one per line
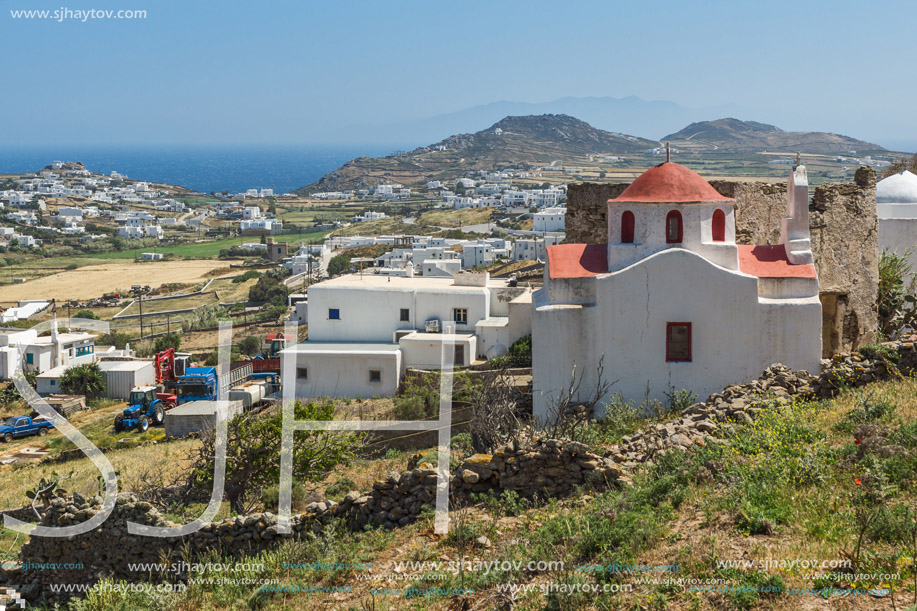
(94, 280)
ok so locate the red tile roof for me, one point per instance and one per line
(577, 260)
(670, 182)
(771, 262)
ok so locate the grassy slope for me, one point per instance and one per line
(782, 489)
(208, 249)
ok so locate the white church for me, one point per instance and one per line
(671, 301)
(896, 206)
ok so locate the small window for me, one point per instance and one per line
(375, 375)
(719, 226)
(678, 342)
(30, 358)
(334, 314)
(627, 227)
(460, 316)
(302, 373)
(53, 382)
(405, 315)
(673, 228)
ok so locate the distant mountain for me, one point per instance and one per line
(734, 135)
(511, 141)
(629, 114)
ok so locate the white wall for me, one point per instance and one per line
(898, 235)
(344, 374)
(623, 317)
(373, 314)
(424, 350)
(650, 233)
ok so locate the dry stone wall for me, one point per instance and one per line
(844, 230)
(540, 469)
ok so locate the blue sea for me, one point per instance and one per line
(203, 169)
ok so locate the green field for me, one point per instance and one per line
(205, 250)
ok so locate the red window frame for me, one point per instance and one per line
(669, 238)
(670, 356)
(719, 226)
(628, 222)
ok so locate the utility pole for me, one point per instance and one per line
(140, 298)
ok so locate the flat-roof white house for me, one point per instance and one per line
(44, 353)
(550, 219)
(364, 330)
(671, 301)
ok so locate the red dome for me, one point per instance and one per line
(670, 183)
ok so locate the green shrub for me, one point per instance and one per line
(411, 407)
(338, 489)
(519, 355)
(87, 314)
(248, 275)
(868, 409)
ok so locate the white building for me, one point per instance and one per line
(369, 215)
(260, 225)
(151, 256)
(672, 302)
(534, 249)
(251, 212)
(364, 330)
(550, 219)
(475, 254)
(133, 230)
(896, 204)
(43, 353)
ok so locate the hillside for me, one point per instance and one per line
(750, 136)
(511, 141)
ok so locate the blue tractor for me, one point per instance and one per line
(145, 409)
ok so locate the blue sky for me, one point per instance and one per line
(299, 72)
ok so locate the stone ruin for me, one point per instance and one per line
(844, 232)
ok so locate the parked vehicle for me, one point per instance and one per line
(204, 384)
(24, 426)
(144, 408)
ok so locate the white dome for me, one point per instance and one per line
(900, 188)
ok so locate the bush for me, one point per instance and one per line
(87, 314)
(340, 488)
(248, 275)
(412, 407)
(251, 345)
(339, 264)
(269, 290)
(115, 338)
(519, 355)
(83, 380)
(895, 299)
(169, 340)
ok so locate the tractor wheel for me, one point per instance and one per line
(42, 432)
(118, 424)
(158, 415)
(143, 424)
(7, 438)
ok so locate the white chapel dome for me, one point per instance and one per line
(900, 188)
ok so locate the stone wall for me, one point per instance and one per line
(542, 469)
(844, 230)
